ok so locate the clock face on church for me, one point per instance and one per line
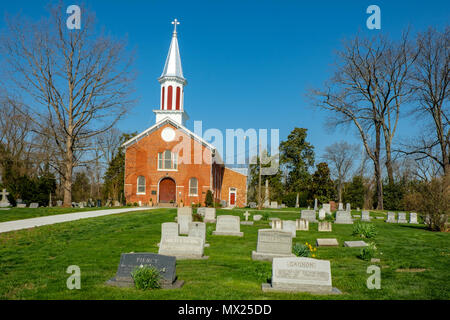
(168, 134)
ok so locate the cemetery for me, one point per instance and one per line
(260, 264)
(104, 198)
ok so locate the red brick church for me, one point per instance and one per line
(167, 163)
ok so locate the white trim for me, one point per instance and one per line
(161, 123)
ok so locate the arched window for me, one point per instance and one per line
(193, 187)
(167, 160)
(141, 185)
(169, 98)
(177, 105)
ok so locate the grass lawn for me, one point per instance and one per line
(33, 262)
(26, 213)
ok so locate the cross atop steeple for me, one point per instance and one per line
(175, 22)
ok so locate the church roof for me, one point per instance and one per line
(173, 68)
(161, 123)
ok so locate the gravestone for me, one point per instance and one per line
(198, 229)
(355, 244)
(322, 214)
(356, 216)
(309, 215)
(289, 226)
(316, 206)
(327, 208)
(347, 207)
(257, 217)
(331, 242)
(210, 215)
(300, 274)
(252, 205)
(201, 211)
(183, 247)
(108, 203)
(169, 230)
(297, 201)
(324, 226)
(129, 261)
(343, 217)
(283, 206)
(341, 206)
(402, 217)
(272, 244)
(21, 205)
(246, 222)
(184, 217)
(228, 226)
(81, 205)
(59, 203)
(276, 223)
(4, 202)
(413, 218)
(365, 215)
(391, 217)
(34, 205)
(184, 210)
(302, 224)
(274, 205)
(117, 203)
(379, 218)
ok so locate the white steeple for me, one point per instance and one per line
(172, 84)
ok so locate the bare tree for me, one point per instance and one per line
(431, 81)
(367, 90)
(340, 157)
(78, 83)
(16, 134)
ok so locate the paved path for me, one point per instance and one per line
(42, 221)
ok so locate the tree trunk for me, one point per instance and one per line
(378, 173)
(388, 163)
(68, 174)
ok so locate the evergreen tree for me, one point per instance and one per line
(322, 187)
(297, 156)
(354, 192)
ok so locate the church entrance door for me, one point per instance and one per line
(167, 190)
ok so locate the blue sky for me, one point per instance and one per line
(248, 63)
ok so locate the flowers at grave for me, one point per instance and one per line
(304, 250)
(368, 252)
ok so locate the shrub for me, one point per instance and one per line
(135, 204)
(432, 202)
(146, 278)
(304, 250)
(289, 199)
(209, 199)
(364, 230)
(368, 252)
